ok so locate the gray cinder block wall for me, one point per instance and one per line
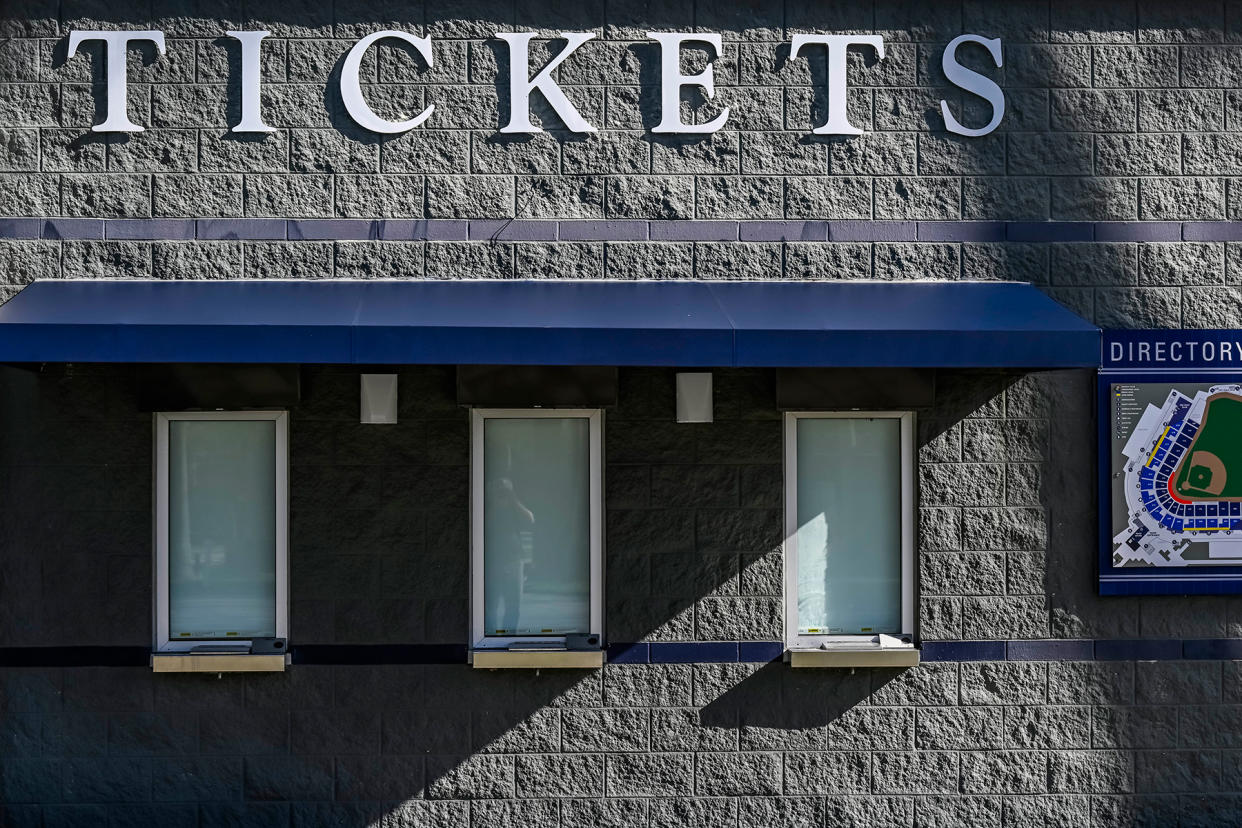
(1109, 184)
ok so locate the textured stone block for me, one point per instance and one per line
(1001, 683)
(746, 197)
(931, 684)
(749, 260)
(1141, 154)
(683, 812)
(1184, 198)
(958, 574)
(958, 728)
(1138, 308)
(874, 153)
(958, 810)
(972, 484)
(470, 777)
(1047, 728)
(895, 262)
(920, 772)
(1005, 772)
(289, 260)
(606, 730)
(551, 196)
(648, 197)
(288, 778)
(197, 195)
(1177, 682)
(604, 813)
(1186, 263)
(747, 618)
(469, 196)
(650, 774)
(96, 259)
(560, 776)
(738, 774)
(83, 195)
(872, 728)
(563, 260)
(226, 152)
(995, 198)
(292, 196)
(823, 197)
(208, 260)
(1134, 727)
(1090, 771)
(1090, 683)
(1008, 528)
(819, 261)
(818, 774)
(1182, 109)
(642, 685)
(1101, 199)
(436, 151)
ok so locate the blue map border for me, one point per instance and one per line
(1220, 580)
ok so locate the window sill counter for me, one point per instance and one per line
(844, 657)
(545, 660)
(217, 663)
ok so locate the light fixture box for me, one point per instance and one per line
(379, 399)
(694, 397)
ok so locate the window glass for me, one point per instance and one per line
(536, 526)
(221, 529)
(849, 525)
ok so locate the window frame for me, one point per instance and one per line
(161, 524)
(479, 640)
(794, 640)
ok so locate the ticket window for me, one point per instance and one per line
(849, 531)
(221, 534)
(537, 534)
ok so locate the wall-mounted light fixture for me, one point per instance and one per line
(379, 398)
(694, 397)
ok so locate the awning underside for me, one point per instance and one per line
(689, 324)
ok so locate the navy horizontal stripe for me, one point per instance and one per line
(1056, 650)
(677, 652)
(551, 231)
(1139, 649)
(378, 654)
(75, 656)
(963, 651)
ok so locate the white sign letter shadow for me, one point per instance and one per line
(116, 119)
(672, 81)
(251, 116)
(351, 87)
(973, 82)
(521, 84)
(838, 46)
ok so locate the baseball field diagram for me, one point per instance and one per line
(1211, 469)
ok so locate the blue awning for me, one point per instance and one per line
(690, 324)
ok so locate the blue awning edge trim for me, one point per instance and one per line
(561, 322)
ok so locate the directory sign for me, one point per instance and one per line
(1171, 465)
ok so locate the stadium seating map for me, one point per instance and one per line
(1176, 474)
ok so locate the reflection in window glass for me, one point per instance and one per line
(536, 525)
(221, 529)
(849, 525)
